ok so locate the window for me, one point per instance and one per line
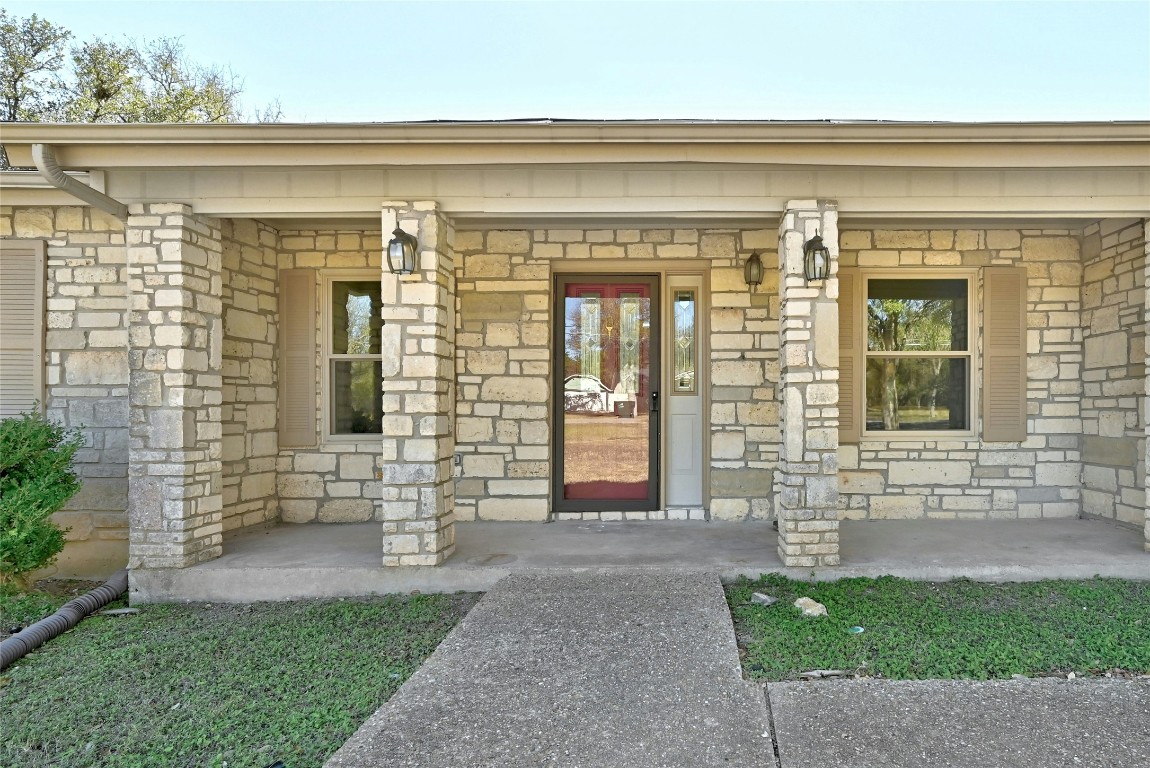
(906, 362)
(353, 366)
(917, 361)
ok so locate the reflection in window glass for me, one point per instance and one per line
(355, 309)
(916, 315)
(913, 393)
(918, 356)
(356, 397)
(683, 379)
(355, 372)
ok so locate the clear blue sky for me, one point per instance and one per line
(380, 61)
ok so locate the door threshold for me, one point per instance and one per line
(673, 513)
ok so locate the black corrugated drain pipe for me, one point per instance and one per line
(69, 615)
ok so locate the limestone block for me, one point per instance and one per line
(1100, 478)
(612, 252)
(515, 389)
(1057, 473)
(357, 466)
(86, 368)
(346, 511)
(33, 222)
(822, 491)
(1112, 424)
(502, 335)
(1050, 249)
(400, 544)
(737, 373)
(469, 429)
(518, 487)
(901, 238)
(484, 465)
(745, 483)
(245, 325)
(468, 240)
(861, 482)
(1098, 503)
(493, 305)
(101, 493)
(925, 473)
(315, 462)
(897, 507)
(301, 486)
(1107, 350)
(487, 265)
(717, 246)
(853, 240)
(508, 242)
(999, 239)
(257, 486)
(513, 509)
(728, 445)
(730, 509)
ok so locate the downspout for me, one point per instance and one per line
(45, 160)
(69, 615)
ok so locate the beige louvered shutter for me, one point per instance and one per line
(850, 356)
(298, 317)
(22, 276)
(1004, 354)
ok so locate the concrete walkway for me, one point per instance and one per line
(598, 669)
(1095, 723)
(619, 668)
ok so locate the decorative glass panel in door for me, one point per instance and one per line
(606, 393)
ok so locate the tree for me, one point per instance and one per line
(33, 54)
(102, 81)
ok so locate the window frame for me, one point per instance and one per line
(973, 335)
(326, 326)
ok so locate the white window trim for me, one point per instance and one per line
(327, 278)
(973, 335)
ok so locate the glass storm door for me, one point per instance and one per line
(606, 393)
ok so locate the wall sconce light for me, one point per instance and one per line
(816, 259)
(753, 271)
(401, 252)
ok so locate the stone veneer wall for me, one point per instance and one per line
(967, 478)
(336, 482)
(1114, 371)
(86, 341)
(503, 359)
(250, 438)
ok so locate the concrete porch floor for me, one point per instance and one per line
(296, 561)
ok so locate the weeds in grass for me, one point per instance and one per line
(957, 629)
(203, 685)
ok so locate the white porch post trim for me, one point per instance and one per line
(418, 345)
(809, 357)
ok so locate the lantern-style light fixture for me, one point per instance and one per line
(816, 259)
(753, 270)
(401, 252)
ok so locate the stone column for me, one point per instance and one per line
(174, 359)
(1146, 398)
(809, 357)
(418, 392)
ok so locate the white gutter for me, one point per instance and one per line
(45, 160)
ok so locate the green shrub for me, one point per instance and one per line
(36, 480)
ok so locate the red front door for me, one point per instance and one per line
(607, 393)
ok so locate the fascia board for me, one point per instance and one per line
(995, 145)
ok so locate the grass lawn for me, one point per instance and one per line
(212, 685)
(958, 629)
